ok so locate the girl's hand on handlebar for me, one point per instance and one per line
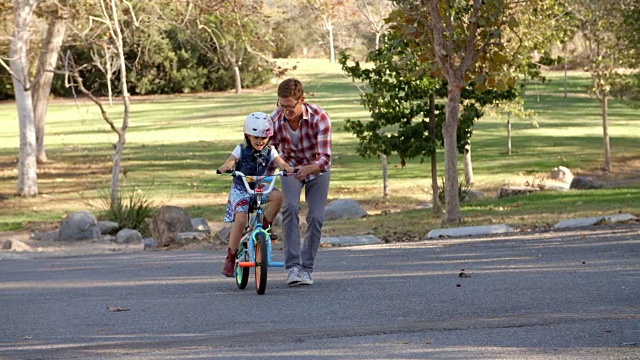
(223, 169)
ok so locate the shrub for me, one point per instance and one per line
(130, 211)
(463, 190)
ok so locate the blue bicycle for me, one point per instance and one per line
(254, 250)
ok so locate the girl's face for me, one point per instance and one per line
(258, 142)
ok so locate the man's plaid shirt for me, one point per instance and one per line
(314, 146)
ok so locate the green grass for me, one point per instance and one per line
(175, 143)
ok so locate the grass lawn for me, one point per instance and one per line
(175, 143)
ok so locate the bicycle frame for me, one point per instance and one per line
(254, 221)
(254, 234)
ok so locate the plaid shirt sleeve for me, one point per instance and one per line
(318, 138)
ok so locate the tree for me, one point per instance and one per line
(46, 64)
(604, 28)
(397, 96)
(327, 11)
(110, 15)
(375, 11)
(19, 68)
(466, 44)
(405, 118)
(234, 32)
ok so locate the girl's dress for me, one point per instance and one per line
(250, 162)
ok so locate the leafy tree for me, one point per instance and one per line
(405, 119)
(604, 28)
(626, 86)
(464, 43)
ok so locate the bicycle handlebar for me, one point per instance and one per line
(257, 180)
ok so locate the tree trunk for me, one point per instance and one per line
(449, 131)
(434, 159)
(385, 176)
(605, 133)
(331, 46)
(468, 166)
(19, 64)
(117, 157)
(509, 134)
(238, 80)
(42, 88)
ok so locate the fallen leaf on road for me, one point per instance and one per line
(116, 308)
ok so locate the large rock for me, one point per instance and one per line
(201, 225)
(109, 227)
(344, 209)
(562, 173)
(80, 225)
(128, 236)
(167, 223)
(583, 182)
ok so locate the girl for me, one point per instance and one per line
(251, 157)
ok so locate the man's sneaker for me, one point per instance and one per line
(293, 278)
(306, 278)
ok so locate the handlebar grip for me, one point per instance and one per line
(226, 172)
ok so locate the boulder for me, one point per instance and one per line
(80, 225)
(128, 236)
(108, 227)
(167, 223)
(223, 235)
(561, 173)
(584, 183)
(201, 225)
(343, 209)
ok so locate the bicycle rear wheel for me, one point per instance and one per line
(262, 263)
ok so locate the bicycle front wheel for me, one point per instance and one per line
(262, 263)
(242, 273)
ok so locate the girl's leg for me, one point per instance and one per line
(240, 219)
(275, 203)
(239, 222)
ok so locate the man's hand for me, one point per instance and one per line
(306, 170)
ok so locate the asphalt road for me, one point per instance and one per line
(552, 295)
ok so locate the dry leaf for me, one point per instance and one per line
(116, 308)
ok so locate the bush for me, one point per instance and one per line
(463, 190)
(130, 212)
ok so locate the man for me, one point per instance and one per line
(302, 136)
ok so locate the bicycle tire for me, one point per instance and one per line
(242, 274)
(262, 263)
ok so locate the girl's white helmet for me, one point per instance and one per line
(258, 124)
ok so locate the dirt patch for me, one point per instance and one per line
(626, 172)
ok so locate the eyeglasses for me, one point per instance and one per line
(287, 108)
